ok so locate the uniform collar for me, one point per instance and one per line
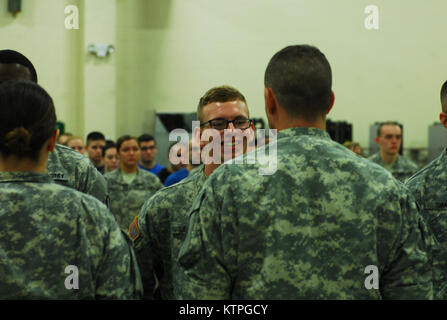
(25, 177)
(308, 131)
(121, 179)
(444, 154)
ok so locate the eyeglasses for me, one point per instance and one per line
(221, 124)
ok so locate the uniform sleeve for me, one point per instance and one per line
(118, 276)
(144, 250)
(92, 182)
(158, 184)
(409, 273)
(208, 254)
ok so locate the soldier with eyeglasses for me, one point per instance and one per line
(160, 228)
(148, 147)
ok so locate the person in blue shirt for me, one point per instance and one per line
(183, 168)
(148, 148)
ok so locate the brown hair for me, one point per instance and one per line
(218, 94)
(301, 79)
(27, 119)
(124, 138)
(386, 123)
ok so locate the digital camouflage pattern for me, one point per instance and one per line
(126, 199)
(47, 227)
(71, 169)
(429, 186)
(162, 222)
(306, 232)
(401, 169)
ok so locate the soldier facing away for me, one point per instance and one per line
(429, 187)
(309, 230)
(49, 229)
(65, 166)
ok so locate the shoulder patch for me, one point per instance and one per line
(134, 230)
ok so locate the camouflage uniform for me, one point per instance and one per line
(47, 227)
(71, 169)
(126, 200)
(161, 228)
(429, 186)
(401, 169)
(306, 232)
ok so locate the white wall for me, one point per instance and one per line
(169, 52)
(39, 33)
(394, 73)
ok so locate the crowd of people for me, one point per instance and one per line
(136, 230)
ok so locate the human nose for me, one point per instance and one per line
(230, 125)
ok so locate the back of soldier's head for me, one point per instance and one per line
(444, 97)
(27, 119)
(15, 66)
(301, 79)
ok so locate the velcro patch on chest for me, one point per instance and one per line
(134, 230)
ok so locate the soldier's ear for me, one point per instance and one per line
(332, 102)
(270, 102)
(52, 141)
(443, 118)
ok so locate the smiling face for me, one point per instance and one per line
(230, 110)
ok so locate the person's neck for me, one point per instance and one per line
(129, 169)
(287, 123)
(98, 164)
(14, 164)
(107, 170)
(147, 164)
(388, 158)
(209, 168)
(190, 167)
